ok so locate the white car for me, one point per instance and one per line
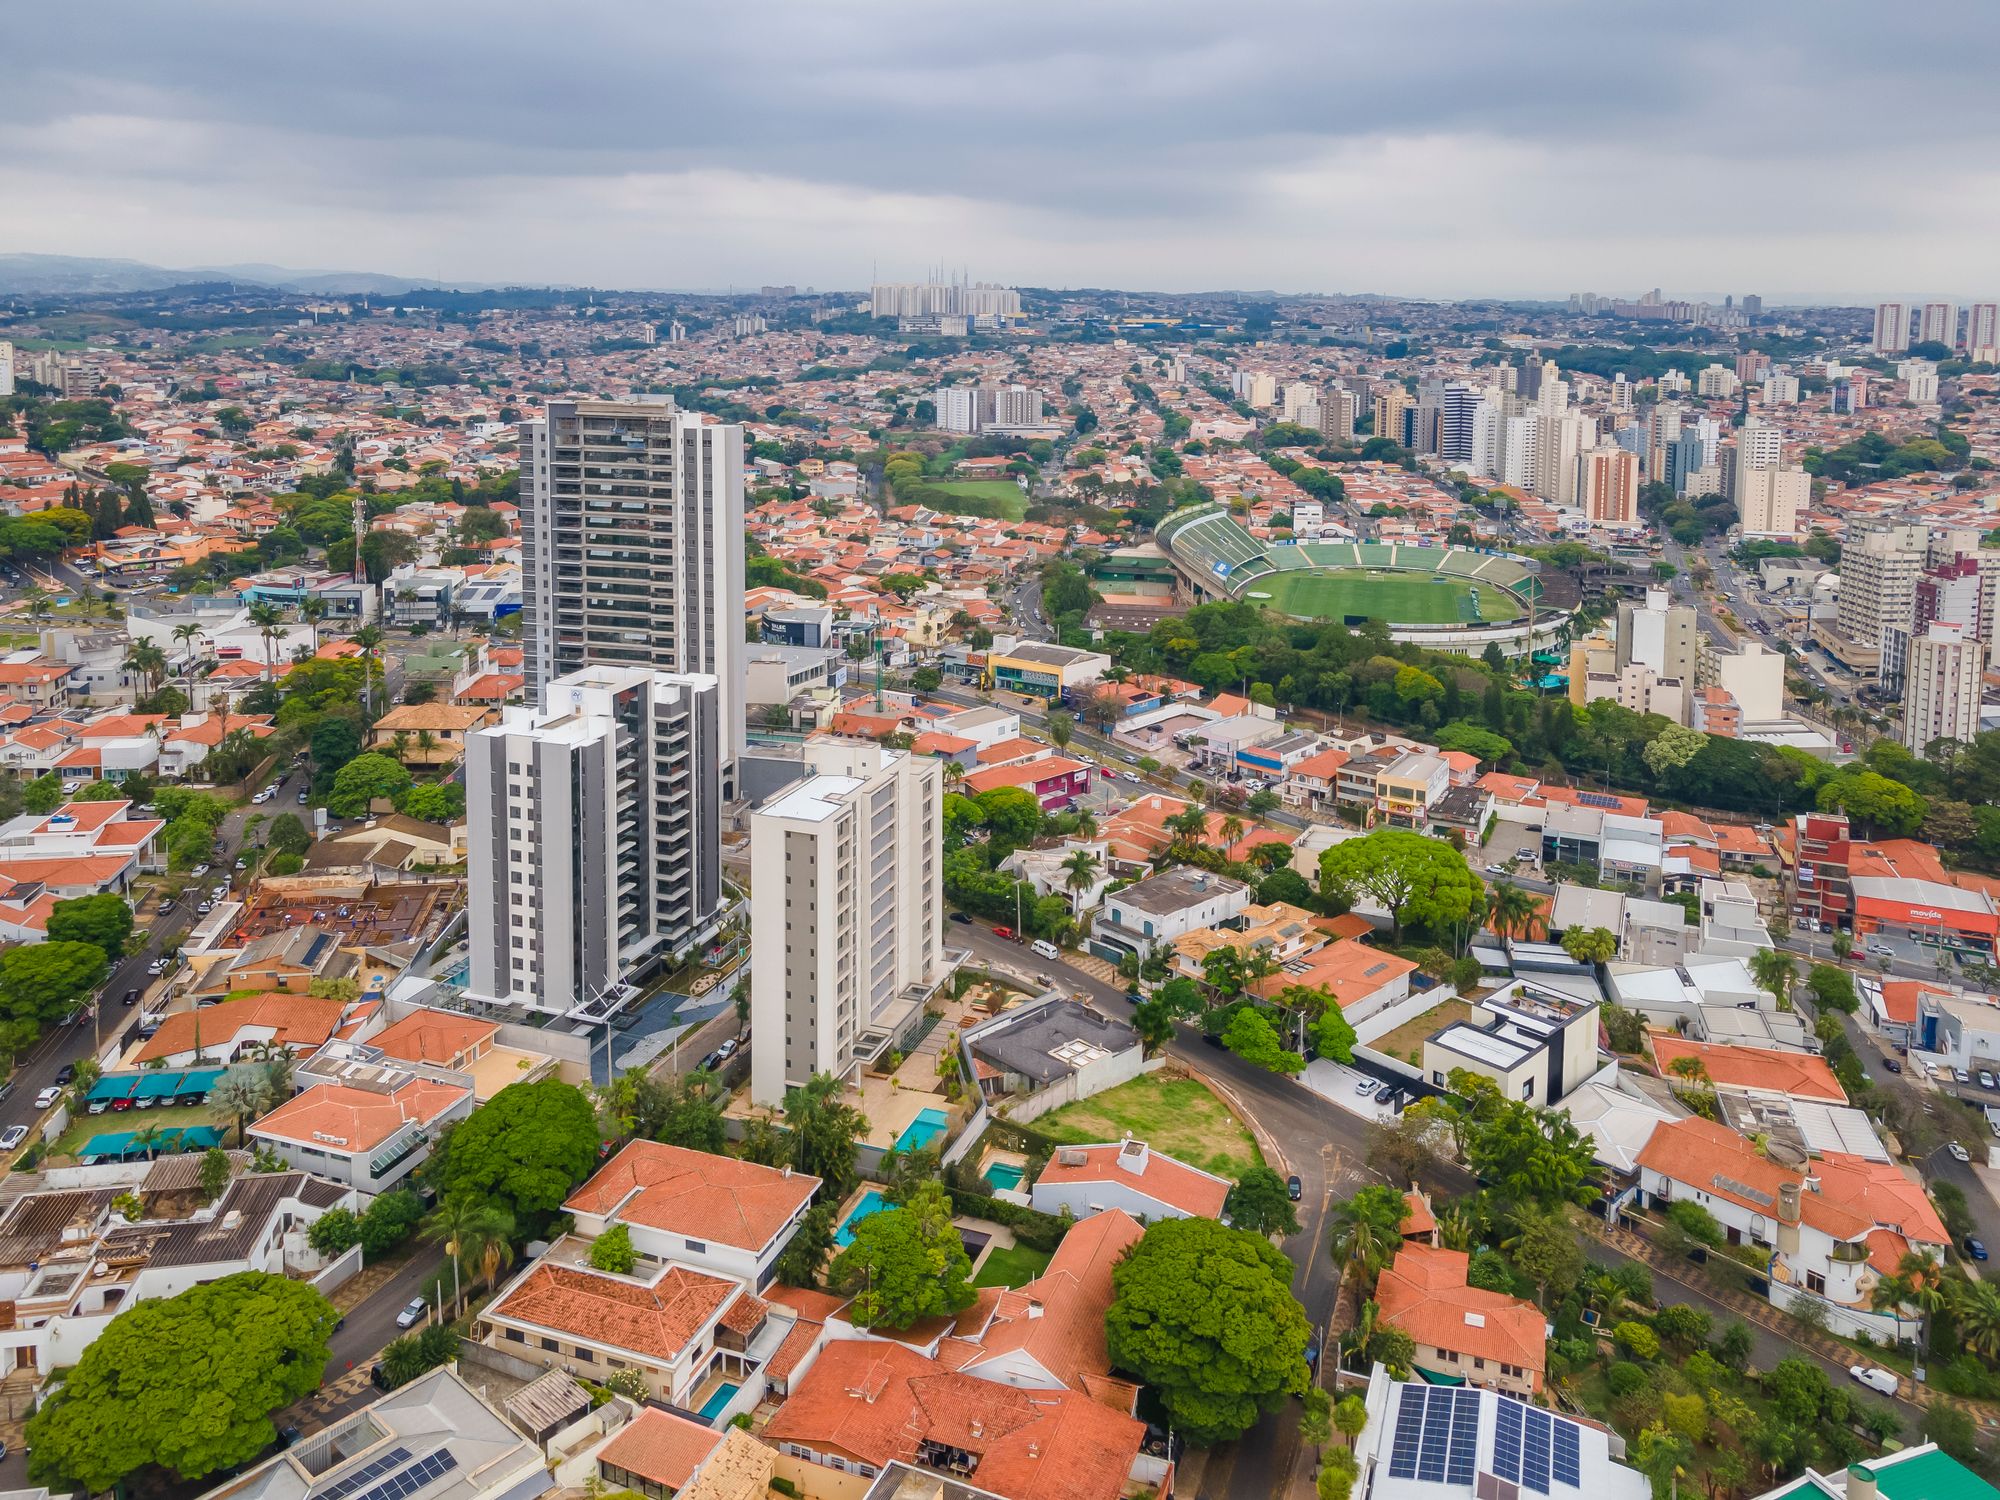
(47, 1097)
(1958, 1152)
(14, 1135)
(413, 1314)
(1876, 1378)
(1367, 1086)
(157, 967)
(1496, 869)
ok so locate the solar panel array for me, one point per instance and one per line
(1437, 1434)
(374, 1469)
(402, 1485)
(1530, 1447)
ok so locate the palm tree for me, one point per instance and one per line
(240, 1095)
(1081, 870)
(312, 611)
(954, 773)
(147, 662)
(469, 1230)
(1189, 823)
(1231, 829)
(270, 623)
(1774, 971)
(369, 639)
(1975, 1307)
(1458, 1225)
(187, 635)
(1510, 908)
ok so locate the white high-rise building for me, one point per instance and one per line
(1457, 411)
(6, 368)
(1878, 582)
(632, 548)
(1941, 687)
(982, 408)
(1488, 438)
(1770, 500)
(1759, 446)
(1660, 635)
(1520, 437)
(1938, 324)
(1255, 388)
(930, 299)
(1621, 392)
(1716, 382)
(1892, 328)
(1920, 381)
(1338, 410)
(1557, 444)
(1301, 397)
(1781, 389)
(1982, 332)
(595, 837)
(846, 906)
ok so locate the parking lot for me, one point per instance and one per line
(1513, 841)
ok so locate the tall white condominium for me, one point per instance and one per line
(595, 836)
(1770, 501)
(1892, 328)
(846, 902)
(633, 548)
(1338, 409)
(1302, 403)
(6, 368)
(1660, 635)
(1941, 687)
(1938, 324)
(1878, 583)
(1982, 332)
(1781, 389)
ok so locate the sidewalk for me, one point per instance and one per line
(1757, 1311)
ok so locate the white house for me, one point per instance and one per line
(1127, 1175)
(1151, 913)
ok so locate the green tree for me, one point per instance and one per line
(1153, 1019)
(287, 835)
(1774, 970)
(1877, 806)
(1254, 1039)
(1549, 1251)
(1833, 988)
(103, 920)
(440, 802)
(45, 982)
(362, 780)
(1205, 1315)
(334, 1232)
(1333, 1035)
(1260, 1203)
(806, 1251)
(905, 1264)
(1637, 1341)
(1367, 1230)
(1414, 878)
(612, 1251)
(1012, 815)
(525, 1151)
(44, 794)
(1590, 945)
(824, 1128)
(389, 1221)
(188, 1383)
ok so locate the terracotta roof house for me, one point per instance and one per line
(1049, 1333)
(1127, 1175)
(717, 1212)
(1484, 1338)
(218, 1033)
(866, 1404)
(369, 1138)
(1751, 1069)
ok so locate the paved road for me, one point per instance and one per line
(71, 1044)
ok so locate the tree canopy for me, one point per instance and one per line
(104, 920)
(525, 1150)
(186, 1382)
(1415, 879)
(905, 1263)
(1205, 1315)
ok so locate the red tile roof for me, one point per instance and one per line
(1058, 1318)
(718, 1198)
(656, 1321)
(878, 1401)
(1425, 1294)
(1173, 1183)
(661, 1447)
(1796, 1073)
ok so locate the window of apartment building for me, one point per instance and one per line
(1816, 1283)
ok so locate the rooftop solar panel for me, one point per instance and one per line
(1507, 1441)
(1409, 1429)
(374, 1469)
(1464, 1455)
(1568, 1466)
(1535, 1450)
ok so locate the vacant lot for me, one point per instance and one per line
(1176, 1115)
(1400, 598)
(1003, 491)
(1409, 1037)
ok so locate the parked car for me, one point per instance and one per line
(959, 916)
(1985, 1079)
(1958, 1152)
(1892, 1065)
(1003, 932)
(47, 1097)
(66, 1074)
(305, 796)
(1974, 1246)
(728, 1049)
(1875, 1378)
(157, 967)
(15, 1134)
(413, 1313)
(199, 870)
(1366, 1086)
(167, 905)
(1294, 1189)
(1496, 869)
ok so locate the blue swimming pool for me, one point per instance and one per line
(927, 1127)
(871, 1202)
(1003, 1174)
(724, 1394)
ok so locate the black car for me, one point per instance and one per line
(1294, 1189)
(130, 997)
(66, 1075)
(959, 916)
(1892, 1065)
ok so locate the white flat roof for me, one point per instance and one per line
(813, 801)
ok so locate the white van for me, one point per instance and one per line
(1044, 948)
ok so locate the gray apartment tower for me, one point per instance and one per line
(632, 548)
(595, 837)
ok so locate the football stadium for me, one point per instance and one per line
(1447, 598)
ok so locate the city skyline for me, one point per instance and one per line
(1116, 147)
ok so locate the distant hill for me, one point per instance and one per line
(43, 274)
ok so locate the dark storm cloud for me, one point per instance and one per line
(1212, 144)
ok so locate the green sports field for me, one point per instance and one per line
(1399, 598)
(1005, 491)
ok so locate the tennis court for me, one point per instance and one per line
(1399, 598)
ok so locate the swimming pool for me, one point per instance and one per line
(920, 1132)
(871, 1202)
(1004, 1174)
(724, 1394)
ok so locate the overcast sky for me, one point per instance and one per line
(1804, 149)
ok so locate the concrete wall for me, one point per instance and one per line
(1095, 1079)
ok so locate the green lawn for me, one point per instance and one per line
(1015, 1266)
(1005, 491)
(86, 1128)
(1400, 598)
(1176, 1115)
